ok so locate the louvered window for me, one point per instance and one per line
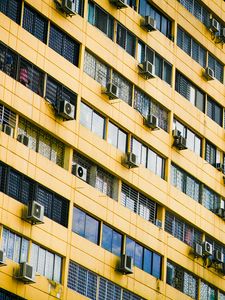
(138, 203)
(214, 111)
(126, 39)
(210, 153)
(5, 295)
(207, 292)
(35, 23)
(216, 66)
(210, 199)
(125, 87)
(8, 61)
(7, 117)
(64, 45)
(12, 9)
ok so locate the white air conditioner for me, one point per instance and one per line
(22, 138)
(176, 132)
(214, 25)
(111, 90)
(222, 35)
(197, 250)
(220, 167)
(7, 129)
(152, 122)
(158, 223)
(218, 256)
(147, 69)
(119, 3)
(180, 142)
(25, 273)
(207, 249)
(148, 23)
(79, 171)
(66, 110)
(35, 213)
(130, 160)
(2, 258)
(208, 73)
(69, 7)
(126, 264)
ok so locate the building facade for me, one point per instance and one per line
(112, 149)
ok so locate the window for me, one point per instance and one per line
(216, 66)
(111, 240)
(144, 258)
(92, 120)
(146, 105)
(181, 230)
(138, 203)
(14, 246)
(126, 39)
(101, 19)
(8, 61)
(31, 77)
(207, 292)
(85, 225)
(104, 182)
(124, 86)
(189, 91)
(12, 9)
(96, 69)
(117, 137)
(210, 199)
(56, 92)
(212, 154)
(7, 116)
(214, 111)
(64, 45)
(5, 295)
(191, 47)
(42, 142)
(35, 23)
(148, 158)
(163, 69)
(163, 24)
(79, 7)
(185, 183)
(182, 280)
(85, 282)
(221, 296)
(194, 142)
(46, 263)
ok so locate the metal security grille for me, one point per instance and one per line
(104, 182)
(5, 295)
(216, 245)
(7, 116)
(96, 287)
(8, 61)
(12, 9)
(125, 87)
(138, 203)
(181, 230)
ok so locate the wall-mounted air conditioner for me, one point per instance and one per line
(147, 69)
(79, 171)
(218, 256)
(119, 3)
(208, 73)
(22, 138)
(148, 23)
(35, 213)
(214, 25)
(126, 264)
(207, 249)
(180, 142)
(7, 129)
(197, 250)
(152, 122)
(220, 167)
(66, 110)
(25, 273)
(111, 90)
(2, 258)
(130, 160)
(69, 7)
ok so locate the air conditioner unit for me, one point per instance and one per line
(220, 212)
(119, 3)
(2, 258)
(180, 142)
(130, 160)
(214, 25)
(176, 132)
(222, 35)
(22, 138)
(208, 73)
(158, 223)
(126, 264)
(197, 250)
(148, 23)
(69, 7)
(147, 69)
(111, 90)
(25, 273)
(218, 256)
(35, 213)
(66, 110)
(79, 171)
(152, 122)
(220, 167)
(7, 129)
(207, 249)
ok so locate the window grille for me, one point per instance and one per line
(64, 45)
(221, 296)
(125, 87)
(5, 295)
(7, 116)
(216, 245)
(209, 198)
(42, 142)
(8, 61)
(35, 23)
(207, 292)
(104, 182)
(12, 9)
(181, 230)
(214, 111)
(138, 203)
(94, 286)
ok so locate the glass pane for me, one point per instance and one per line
(98, 125)
(117, 243)
(122, 141)
(85, 115)
(34, 256)
(92, 229)
(130, 247)
(78, 221)
(147, 267)
(112, 134)
(138, 260)
(24, 250)
(107, 238)
(57, 268)
(156, 265)
(41, 261)
(17, 244)
(49, 264)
